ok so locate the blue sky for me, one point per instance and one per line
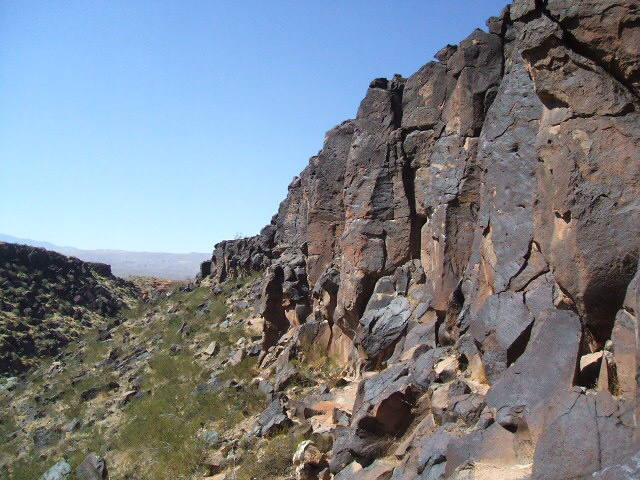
(171, 125)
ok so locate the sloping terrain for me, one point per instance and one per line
(47, 299)
(156, 396)
(172, 266)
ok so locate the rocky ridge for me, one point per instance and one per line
(47, 300)
(125, 264)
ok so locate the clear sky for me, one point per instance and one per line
(169, 125)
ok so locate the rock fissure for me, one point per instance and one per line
(583, 49)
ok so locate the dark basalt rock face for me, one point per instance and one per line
(234, 258)
(487, 208)
(46, 299)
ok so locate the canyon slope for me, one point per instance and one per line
(47, 300)
(449, 290)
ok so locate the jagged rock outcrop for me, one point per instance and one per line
(46, 299)
(479, 220)
(234, 258)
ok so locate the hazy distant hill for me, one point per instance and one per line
(175, 266)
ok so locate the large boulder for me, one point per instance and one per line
(382, 411)
(273, 419)
(545, 369)
(502, 327)
(59, 471)
(382, 327)
(589, 433)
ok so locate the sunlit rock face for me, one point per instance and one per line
(479, 223)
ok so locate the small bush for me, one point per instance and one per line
(245, 370)
(316, 361)
(27, 468)
(94, 350)
(274, 460)
(7, 422)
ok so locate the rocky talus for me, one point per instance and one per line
(48, 299)
(467, 248)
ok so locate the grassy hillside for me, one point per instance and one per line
(47, 300)
(151, 398)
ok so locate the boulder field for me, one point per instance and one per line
(47, 300)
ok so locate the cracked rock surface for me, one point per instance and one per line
(480, 222)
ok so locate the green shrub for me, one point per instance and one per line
(274, 460)
(316, 361)
(160, 433)
(29, 467)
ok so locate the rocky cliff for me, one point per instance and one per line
(468, 247)
(47, 299)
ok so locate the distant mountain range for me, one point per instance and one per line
(174, 266)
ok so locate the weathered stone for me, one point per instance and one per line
(494, 445)
(546, 367)
(240, 257)
(382, 411)
(381, 327)
(348, 472)
(272, 419)
(237, 357)
(210, 437)
(72, 425)
(211, 349)
(9, 383)
(628, 469)
(625, 350)
(433, 452)
(214, 462)
(211, 385)
(92, 467)
(606, 30)
(466, 407)
(585, 437)
(419, 338)
(520, 8)
(502, 327)
(46, 437)
(378, 470)
(377, 228)
(59, 471)
(308, 461)
(288, 374)
(446, 368)
(505, 229)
